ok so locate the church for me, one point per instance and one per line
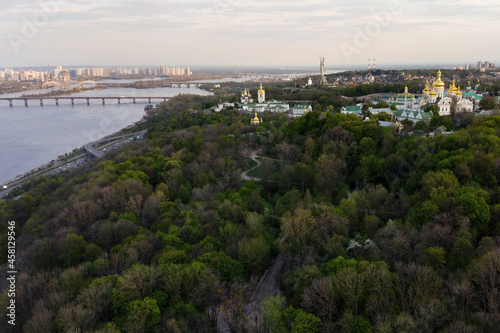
(444, 99)
(248, 104)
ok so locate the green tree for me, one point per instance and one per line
(434, 108)
(461, 254)
(142, 316)
(297, 229)
(300, 279)
(381, 105)
(272, 316)
(422, 213)
(488, 103)
(367, 146)
(422, 126)
(338, 264)
(71, 249)
(302, 322)
(475, 208)
(355, 324)
(330, 174)
(435, 257)
(254, 254)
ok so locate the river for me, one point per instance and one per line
(34, 135)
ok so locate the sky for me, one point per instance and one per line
(247, 33)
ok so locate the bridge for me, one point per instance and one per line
(51, 84)
(72, 99)
(180, 84)
(87, 83)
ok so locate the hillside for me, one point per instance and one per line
(375, 231)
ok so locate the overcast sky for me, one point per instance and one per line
(257, 33)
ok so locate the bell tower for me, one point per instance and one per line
(261, 94)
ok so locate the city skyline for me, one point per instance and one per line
(250, 33)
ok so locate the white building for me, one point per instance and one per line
(406, 100)
(445, 99)
(300, 110)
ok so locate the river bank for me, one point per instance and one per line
(77, 158)
(33, 135)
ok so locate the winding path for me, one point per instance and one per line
(245, 175)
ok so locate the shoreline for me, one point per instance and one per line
(56, 164)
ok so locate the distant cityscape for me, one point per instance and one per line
(67, 74)
(481, 65)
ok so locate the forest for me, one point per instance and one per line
(373, 230)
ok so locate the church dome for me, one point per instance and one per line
(261, 90)
(438, 83)
(427, 88)
(405, 95)
(433, 93)
(452, 89)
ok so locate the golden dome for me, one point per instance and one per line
(452, 87)
(406, 94)
(261, 91)
(458, 93)
(438, 83)
(255, 120)
(427, 89)
(433, 93)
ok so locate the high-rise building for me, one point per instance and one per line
(66, 76)
(57, 71)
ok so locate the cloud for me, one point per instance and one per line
(256, 27)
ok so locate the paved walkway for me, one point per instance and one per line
(245, 175)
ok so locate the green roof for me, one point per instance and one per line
(353, 108)
(412, 113)
(471, 94)
(467, 95)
